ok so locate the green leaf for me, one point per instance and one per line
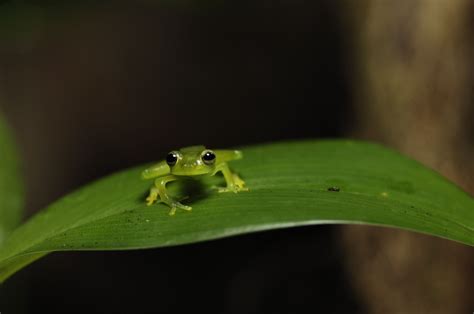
(11, 191)
(291, 184)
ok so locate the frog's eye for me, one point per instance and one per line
(208, 157)
(172, 158)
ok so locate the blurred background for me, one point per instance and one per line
(91, 88)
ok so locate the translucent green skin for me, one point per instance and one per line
(190, 164)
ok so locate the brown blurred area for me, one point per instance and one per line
(413, 83)
(93, 89)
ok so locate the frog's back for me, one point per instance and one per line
(193, 149)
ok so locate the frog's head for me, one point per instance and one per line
(191, 161)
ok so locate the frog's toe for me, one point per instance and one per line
(177, 205)
(232, 188)
(184, 207)
(238, 189)
(221, 189)
(172, 211)
(150, 200)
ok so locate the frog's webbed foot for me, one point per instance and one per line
(236, 185)
(152, 197)
(175, 205)
(231, 188)
(239, 183)
(159, 194)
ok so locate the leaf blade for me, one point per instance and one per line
(291, 184)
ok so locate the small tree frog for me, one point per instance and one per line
(193, 161)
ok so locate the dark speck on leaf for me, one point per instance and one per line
(334, 189)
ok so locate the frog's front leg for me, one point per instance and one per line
(159, 189)
(234, 182)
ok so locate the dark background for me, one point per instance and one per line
(93, 89)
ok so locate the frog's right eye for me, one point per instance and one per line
(172, 158)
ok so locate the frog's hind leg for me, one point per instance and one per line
(160, 190)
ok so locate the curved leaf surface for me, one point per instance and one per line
(291, 184)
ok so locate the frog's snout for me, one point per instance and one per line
(189, 165)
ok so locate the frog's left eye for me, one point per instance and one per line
(208, 157)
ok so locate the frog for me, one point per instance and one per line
(191, 162)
